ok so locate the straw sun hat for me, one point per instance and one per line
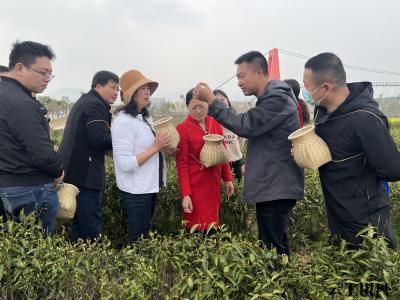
(130, 81)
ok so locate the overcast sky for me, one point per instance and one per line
(180, 42)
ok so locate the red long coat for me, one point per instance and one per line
(201, 183)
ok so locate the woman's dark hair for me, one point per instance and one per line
(189, 96)
(131, 108)
(294, 84)
(222, 93)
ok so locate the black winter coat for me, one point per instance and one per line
(86, 138)
(271, 172)
(27, 155)
(364, 154)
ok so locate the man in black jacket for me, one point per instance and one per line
(363, 151)
(272, 180)
(3, 72)
(86, 138)
(28, 162)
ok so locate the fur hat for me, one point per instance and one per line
(130, 81)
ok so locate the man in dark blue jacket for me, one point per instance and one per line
(272, 180)
(86, 138)
(28, 162)
(348, 119)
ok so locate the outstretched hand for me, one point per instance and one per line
(203, 92)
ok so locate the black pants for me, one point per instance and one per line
(87, 221)
(343, 229)
(3, 211)
(272, 219)
(140, 210)
(237, 169)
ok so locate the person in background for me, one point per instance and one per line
(86, 139)
(357, 133)
(272, 179)
(302, 106)
(233, 142)
(140, 167)
(29, 167)
(3, 71)
(3, 214)
(200, 186)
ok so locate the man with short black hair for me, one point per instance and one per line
(86, 138)
(28, 162)
(272, 179)
(348, 119)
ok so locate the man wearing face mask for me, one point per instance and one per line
(348, 119)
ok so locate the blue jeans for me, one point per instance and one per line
(140, 210)
(87, 221)
(40, 199)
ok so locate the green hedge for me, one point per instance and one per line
(176, 264)
(188, 266)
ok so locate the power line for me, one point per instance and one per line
(302, 56)
(371, 70)
(230, 78)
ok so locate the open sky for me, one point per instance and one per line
(180, 42)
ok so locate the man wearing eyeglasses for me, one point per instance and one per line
(29, 166)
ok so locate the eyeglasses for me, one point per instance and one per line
(45, 75)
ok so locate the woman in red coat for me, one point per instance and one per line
(200, 186)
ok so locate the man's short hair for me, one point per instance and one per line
(327, 67)
(3, 69)
(256, 59)
(103, 77)
(27, 52)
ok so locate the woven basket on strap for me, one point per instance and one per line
(309, 150)
(165, 125)
(213, 151)
(67, 198)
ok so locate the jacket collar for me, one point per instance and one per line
(93, 92)
(209, 122)
(18, 84)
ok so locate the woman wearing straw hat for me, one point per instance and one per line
(139, 165)
(200, 186)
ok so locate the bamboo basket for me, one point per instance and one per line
(309, 150)
(165, 125)
(213, 151)
(67, 198)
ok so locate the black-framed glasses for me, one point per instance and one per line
(45, 75)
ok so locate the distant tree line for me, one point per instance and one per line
(57, 108)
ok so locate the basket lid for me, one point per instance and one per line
(302, 132)
(213, 137)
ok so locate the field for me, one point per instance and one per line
(176, 264)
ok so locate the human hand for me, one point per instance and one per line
(229, 189)
(162, 141)
(59, 180)
(203, 92)
(187, 204)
